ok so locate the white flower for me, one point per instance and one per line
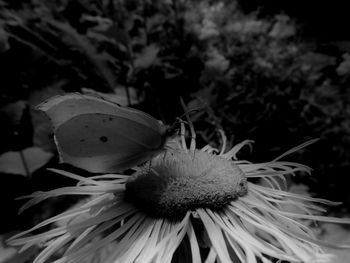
(203, 199)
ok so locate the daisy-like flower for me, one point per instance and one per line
(195, 205)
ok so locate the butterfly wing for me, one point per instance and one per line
(100, 136)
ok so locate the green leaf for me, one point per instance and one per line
(147, 57)
(24, 162)
(10, 254)
(336, 234)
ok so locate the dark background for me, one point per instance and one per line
(279, 91)
(321, 20)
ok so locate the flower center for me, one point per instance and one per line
(176, 181)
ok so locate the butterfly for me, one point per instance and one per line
(100, 136)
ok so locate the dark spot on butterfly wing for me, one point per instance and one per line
(103, 139)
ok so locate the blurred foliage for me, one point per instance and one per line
(263, 83)
(250, 75)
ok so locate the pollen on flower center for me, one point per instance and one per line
(178, 181)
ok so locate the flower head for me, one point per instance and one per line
(202, 199)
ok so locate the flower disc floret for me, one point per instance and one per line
(177, 181)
